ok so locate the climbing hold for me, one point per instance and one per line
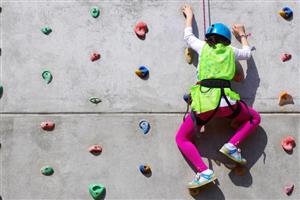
(95, 12)
(47, 171)
(286, 13)
(187, 98)
(144, 126)
(47, 76)
(288, 143)
(46, 30)
(285, 98)
(48, 125)
(145, 169)
(285, 57)
(188, 55)
(288, 189)
(1, 91)
(95, 100)
(95, 56)
(97, 191)
(95, 149)
(239, 170)
(141, 29)
(142, 72)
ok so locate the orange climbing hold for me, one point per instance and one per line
(288, 143)
(141, 29)
(285, 57)
(48, 125)
(95, 56)
(285, 98)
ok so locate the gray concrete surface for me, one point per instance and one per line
(26, 148)
(27, 100)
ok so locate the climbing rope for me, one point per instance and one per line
(204, 19)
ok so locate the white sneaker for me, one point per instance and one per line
(233, 153)
(202, 178)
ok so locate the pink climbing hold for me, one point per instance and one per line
(141, 29)
(288, 143)
(48, 125)
(288, 189)
(285, 57)
(95, 149)
(95, 56)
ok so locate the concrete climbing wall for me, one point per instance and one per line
(27, 100)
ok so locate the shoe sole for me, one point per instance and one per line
(204, 183)
(223, 151)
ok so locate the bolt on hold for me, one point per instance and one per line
(141, 29)
(285, 98)
(95, 12)
(286, 13)
(97, 191)
(47, 76)
(285, 57)
(47, 170)
(46, 30)
(95, 56)
(48, 125)
(142, 72)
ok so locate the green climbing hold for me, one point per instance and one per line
(95, 100)
(1, 91)
(47, 76)
(97, 191)
(47, 171)
(95, 12)
(46, 30)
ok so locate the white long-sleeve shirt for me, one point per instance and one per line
(197, 45)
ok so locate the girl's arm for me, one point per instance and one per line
(238, 30)
(191, 40)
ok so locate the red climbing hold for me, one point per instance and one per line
(48, 125)
(288, 143)
(141, 29)
(95, 149)
(95, 56)
(285, 57)
(288, 189)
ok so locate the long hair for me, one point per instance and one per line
(214, 39)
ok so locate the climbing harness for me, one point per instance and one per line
(216, 83)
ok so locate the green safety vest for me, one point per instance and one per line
(214, 63)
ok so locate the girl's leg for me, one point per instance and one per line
(246, 127)
(189, 150)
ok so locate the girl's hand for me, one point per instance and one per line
(187, 11)
(238, 30)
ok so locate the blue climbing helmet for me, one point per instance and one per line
(218, 29)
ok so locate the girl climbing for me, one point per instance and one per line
(212, 95)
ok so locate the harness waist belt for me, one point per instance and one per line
(215, 83)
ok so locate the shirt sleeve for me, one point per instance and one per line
(242, 54)
(192, 41)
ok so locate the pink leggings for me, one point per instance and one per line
(186, 131)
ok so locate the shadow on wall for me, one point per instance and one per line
(216, 134)
(196, 33)
(248, 87)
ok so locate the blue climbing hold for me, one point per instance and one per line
(145, 126)
(142, 72)
(145, 169)
(286, 13)
(186, 98)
